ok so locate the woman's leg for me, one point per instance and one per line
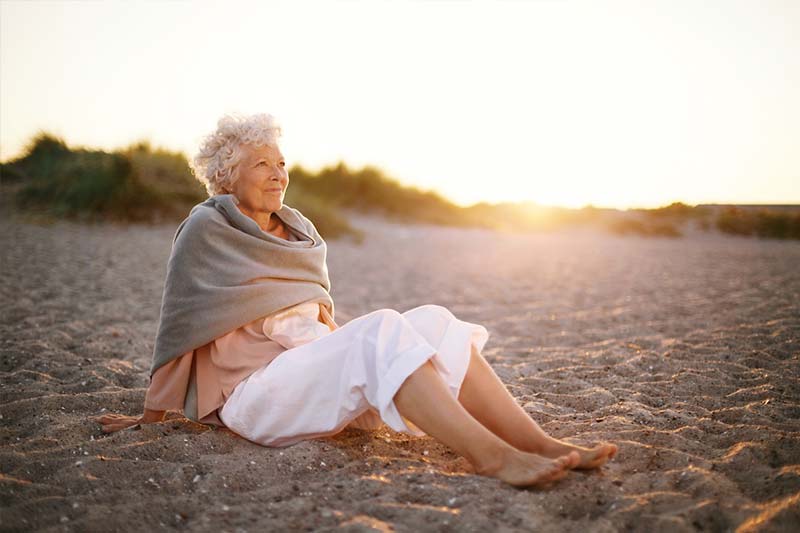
(487, 399)
(318, 388)
(375, 361)
(425, 400)
(482, 393)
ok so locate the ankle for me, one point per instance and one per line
(546, 447)
(540, 446)
(492, 461)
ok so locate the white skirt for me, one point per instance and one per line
(350, 376)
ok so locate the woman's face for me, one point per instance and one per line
(263, 179)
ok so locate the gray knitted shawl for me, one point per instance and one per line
(224, 271)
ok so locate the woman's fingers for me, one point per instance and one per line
(114, 422)
(111, 428)
(111, 417)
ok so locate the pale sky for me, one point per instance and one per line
(559, 102)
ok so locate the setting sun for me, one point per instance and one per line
(617, 104)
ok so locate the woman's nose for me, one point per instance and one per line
(279, 174)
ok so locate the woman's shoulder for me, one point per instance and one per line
(205, 211)
(293, 211)
(199, 219)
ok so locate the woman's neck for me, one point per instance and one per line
(265, 220)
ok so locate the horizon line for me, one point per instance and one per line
(391, 176)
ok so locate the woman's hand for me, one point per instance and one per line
(114, 422)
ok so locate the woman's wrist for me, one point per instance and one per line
(150, 416)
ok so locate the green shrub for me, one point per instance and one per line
(776, 225)
(328, 222)
(370, 191)
(764, 223)
(134, 184)
(734, 221)
(138, 183)
(644, 228)
(143, 183)
(74, 182)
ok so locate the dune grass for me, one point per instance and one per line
(142, 183)
(138, 183)
(133, 184)
(369, 190)
(764, 223)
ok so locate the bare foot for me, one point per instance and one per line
(523, 469)
(590, 458)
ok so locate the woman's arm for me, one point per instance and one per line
(114, 422)
(167, 390)
(326, 318)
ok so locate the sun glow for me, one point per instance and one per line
(616, 104)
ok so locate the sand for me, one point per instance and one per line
(683, 351)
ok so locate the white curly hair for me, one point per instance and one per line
(216, 164)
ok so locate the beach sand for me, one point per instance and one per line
(684, 351)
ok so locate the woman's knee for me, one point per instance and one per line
(383, 316)
(380, 320)
(430, 309)
(376, 318)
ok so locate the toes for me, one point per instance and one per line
(574, 459)
(559, 470)
(605, 452)
(566, 462)
(562, 462)
(600, 455)
(594, 464)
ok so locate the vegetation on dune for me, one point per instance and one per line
(138, 183)
(323, 214)
(765, 222)
(762, 222)
(133, 184)
(141, 183)
(368, 190)
(643, 228)
(528, 216)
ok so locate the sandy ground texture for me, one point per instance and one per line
(683, 351)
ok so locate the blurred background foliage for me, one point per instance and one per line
(141, 183)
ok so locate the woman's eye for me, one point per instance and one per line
(283, 163)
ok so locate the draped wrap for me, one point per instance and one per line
(224, 271)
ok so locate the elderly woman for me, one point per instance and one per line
(247, 337)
